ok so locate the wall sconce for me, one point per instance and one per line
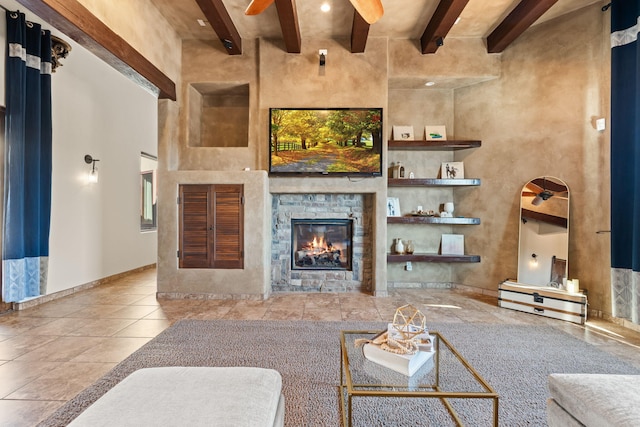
(93, 173)
(534, 261)
(323, 57)
(59, 50)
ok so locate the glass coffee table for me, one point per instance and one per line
(446, 386)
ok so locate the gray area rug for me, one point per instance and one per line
(514, 359)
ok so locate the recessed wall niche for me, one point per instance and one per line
(218, 115)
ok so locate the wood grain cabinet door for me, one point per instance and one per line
(211, 226)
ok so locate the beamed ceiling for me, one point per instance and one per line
(499, 22)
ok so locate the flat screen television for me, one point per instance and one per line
(325, 141)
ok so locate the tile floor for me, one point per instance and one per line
(51, 352)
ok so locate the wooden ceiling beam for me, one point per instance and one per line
(288, 16)
(440, 24)
(543, 184)
(221, 22)
(522, 17)
(77, 22)
(359, 33)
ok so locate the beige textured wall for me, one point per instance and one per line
(460, 62)
(206, 63)
(144, 28)
(347, 80)
(419, 108)
(251, 282)
(412, 103)
(534, 108)
(539, 119)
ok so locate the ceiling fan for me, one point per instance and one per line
(541, 191)
(370, 10)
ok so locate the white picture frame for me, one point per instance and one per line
(452, 170)
(393, 206)
(435, 133)
(403, 133)
(452, 244)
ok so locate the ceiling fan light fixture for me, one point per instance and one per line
(546, 195)
(541, 197)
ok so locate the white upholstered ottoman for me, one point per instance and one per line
(191, 396)
(594, 400)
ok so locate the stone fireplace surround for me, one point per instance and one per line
(357, 207)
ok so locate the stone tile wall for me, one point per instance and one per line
(322, 206)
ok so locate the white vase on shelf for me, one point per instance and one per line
(399, 246)
(448, 207)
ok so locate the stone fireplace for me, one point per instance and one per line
(342, 262)
(321, 244)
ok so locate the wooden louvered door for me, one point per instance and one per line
(227, 224)
(211, 226)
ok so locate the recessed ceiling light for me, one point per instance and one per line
(430, 83)
(202, 23)
(326, 7)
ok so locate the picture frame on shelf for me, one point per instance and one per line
(452, 170)
(435, 133)
(393, 206)
(452, 244)
(404, 133)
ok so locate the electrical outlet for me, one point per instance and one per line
(408, 266)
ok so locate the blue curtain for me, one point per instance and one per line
(27, 180)
(625, 159)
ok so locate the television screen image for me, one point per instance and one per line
(330, 141)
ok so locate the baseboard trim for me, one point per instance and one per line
(443, 285)
(204, 297)
(17, 306)
(625, 323)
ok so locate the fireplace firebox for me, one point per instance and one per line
(321, 244)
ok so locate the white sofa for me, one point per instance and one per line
(593, 400)
(191, 396)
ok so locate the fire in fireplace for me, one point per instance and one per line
(321, 244)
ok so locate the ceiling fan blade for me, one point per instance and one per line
(370, 10)
(257, 6)
(531, 186)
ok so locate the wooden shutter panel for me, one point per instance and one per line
(195, 247)
(228, 225)
(211, 226)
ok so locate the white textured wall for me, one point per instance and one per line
(95, 229)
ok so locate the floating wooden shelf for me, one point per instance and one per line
(432, 182)
(432, 145)
(432, 258)
(431, 220)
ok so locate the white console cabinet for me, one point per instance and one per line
(544, 301)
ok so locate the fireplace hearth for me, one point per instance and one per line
(321, 244)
